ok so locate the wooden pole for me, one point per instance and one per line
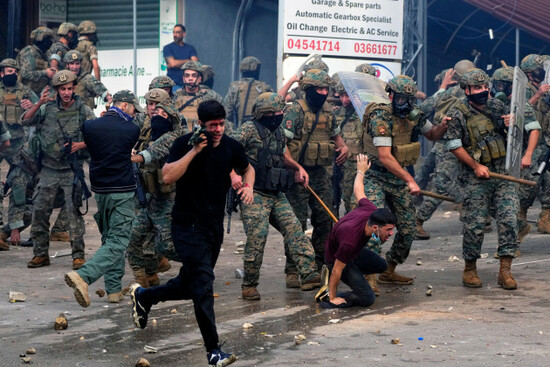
(512, 178)
(437, 196)
(323, 204)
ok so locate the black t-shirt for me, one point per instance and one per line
(201, 191)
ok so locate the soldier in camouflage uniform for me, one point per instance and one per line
(312, 131)
(366, 69)
(296, 93)
(87, 87)
(151, 243)
(445, 179)
(539, 97)
(15, 98)
(192, 94)
(163, 82)
(208, 75)
(243, 93)
(56, 121)
(68, 40)
(351, 130)
(86, 46)
(501, 89)
(475, 138)
(264, 142)
(32, 60)
(390, 138)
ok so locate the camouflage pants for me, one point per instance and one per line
(256, 218)
(51, 180)
(382, 188)
(20, 206)
(479, 196)
(350, 171)
(528, 194)
(152, 234)
(425, 171)
(301, 199)
(10, 156)
(444, 182)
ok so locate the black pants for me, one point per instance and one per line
(198, 248)
(368, 262)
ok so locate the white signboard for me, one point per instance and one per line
(168, 18)
(117, 71)
(367, 29)
(52, 11)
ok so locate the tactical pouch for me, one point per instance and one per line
(279, 179)
(163, 188)
(12, 110)
(485, 154)
(19, 195)
(493, 147)
(149, 181)
(325, 154)
(406, 154)
(310, 156)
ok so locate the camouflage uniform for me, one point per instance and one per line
(270, 206)
(297, 92)
(315, 158)
(85, 46)
(151, 229)
(385, 129)
(243, 93)
(481, 193)
(56, 172)
(87, 86)
(34, 63)
(59, 49)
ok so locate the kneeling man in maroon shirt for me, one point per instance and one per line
(347, 258)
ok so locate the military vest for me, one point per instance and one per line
(351, 132)
(271, 174)
(315, 147)
(486, 144)
(249, 91)
(187, 106)
(80, 89)
(41, 64)
(403, 149)
(10, 105)
(84, 48)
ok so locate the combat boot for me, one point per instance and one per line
(505, 278)
(543, 226)
(311, 282)
(391, 277)
(115, 297)
(77, 263)
(60, 236)
(469, 275)
(163, 265)
(524, 227)
(421, 234)
(141, 278)
(292, 280)
(371, 279)
(251, 294)
(38, 261)
(153, 280)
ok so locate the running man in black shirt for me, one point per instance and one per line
(201, 172)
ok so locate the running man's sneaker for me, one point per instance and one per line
(139, 310)
(218, 358)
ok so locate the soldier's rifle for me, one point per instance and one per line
(78, 175)
(140, 191)
(231, 204)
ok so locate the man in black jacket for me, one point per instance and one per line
(110, 140)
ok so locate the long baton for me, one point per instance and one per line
(323, 204)
(513, 179)
(437, 196)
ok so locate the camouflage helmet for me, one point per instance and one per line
(87, 27)
(337, 85)
(157, 95)
(72, 56)
(267, 102)
(439, 77)
(366, 69)
(161, 81)
(170, 109)
(63, 77)
(316, 64)
(207, 73)
(314, 78)
(249, 63)
(474, 77)
(193, 65)
(9, 63)
(40, 33)
(531, 63)
(503, 74)
(463, 66)
(65, 28)
(402, 84)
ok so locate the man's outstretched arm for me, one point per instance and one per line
(363, 165)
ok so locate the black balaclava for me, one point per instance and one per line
(73, 41)
(252, 74)
(45, 44)
(538, 75)
(271, 122)
(479, 99)
(160, 126)
(315, 100)
(9, 80)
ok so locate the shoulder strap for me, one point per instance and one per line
(304, 146)
(246, 99)
(191, 100)
(346, 118)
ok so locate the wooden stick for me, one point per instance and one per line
(437, 196)
(512, 178)
(503, 63)
(323, 204)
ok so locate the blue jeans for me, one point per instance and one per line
(198, 248)
(368, 262)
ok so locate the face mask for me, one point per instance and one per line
(9, 80)
(402, 105)
(271, 122)
(501, 87)
(538, 75)
(479, 99)
(44, 45)
(315, 100)
(160, 126)
(376, 237)
(73, 42)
